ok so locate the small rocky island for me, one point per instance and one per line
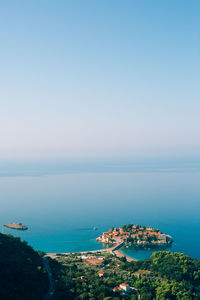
(17, 226)
(135, 235)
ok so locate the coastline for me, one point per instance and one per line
(120, 254)
(55, 254)
(114, 251)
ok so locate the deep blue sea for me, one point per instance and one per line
(61, 202)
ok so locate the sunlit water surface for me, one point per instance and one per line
(61, 208)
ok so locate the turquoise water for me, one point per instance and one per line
(62, 205)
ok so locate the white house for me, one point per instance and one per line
(125, 287)
(101, 274)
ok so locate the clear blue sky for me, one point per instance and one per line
(99, 78)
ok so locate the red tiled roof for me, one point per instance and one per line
(124, 284)
(116, 288)
(93, 261)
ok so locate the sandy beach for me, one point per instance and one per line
(118, 253)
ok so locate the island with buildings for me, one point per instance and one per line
(135, 235)
(99, 274)
(17, 226)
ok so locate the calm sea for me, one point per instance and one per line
(62, 202)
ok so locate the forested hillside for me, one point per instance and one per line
(165, 276)
(22, 274)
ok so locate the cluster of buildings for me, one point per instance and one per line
(134, 234)
(92, 260)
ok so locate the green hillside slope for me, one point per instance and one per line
(22, 274)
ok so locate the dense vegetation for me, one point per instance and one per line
(172, 276)
(165, 276)
(22, 275)
(77, 281)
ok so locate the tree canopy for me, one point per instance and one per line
(22, 274)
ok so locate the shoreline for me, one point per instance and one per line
(120, 254)
(114, 251)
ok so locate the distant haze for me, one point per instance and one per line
(99, 78)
